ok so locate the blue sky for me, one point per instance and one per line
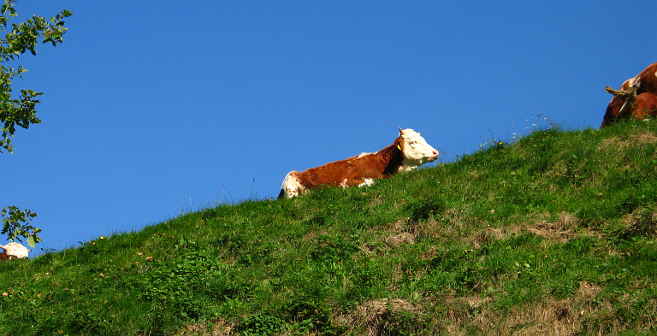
(154, 110)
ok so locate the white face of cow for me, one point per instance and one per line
(415, 149)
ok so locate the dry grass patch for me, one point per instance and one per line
(214, 328)
(388, 236)
(451, 224)
(644, 138)
(622, 143)
(641, 222)
(474, 301)
(475, 174)
(587, 290)
(386, 229)
(491, 234)
(399, 239)
(375, 317)
(376, 201)
(560, 230)
(311, 235)
(551, 317)
(296, 333)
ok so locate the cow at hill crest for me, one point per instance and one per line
(407, 152)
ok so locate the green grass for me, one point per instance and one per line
(554, 233)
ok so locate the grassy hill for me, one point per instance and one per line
(554, 234)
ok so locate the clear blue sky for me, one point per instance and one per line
(154, 108)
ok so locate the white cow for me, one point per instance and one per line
(14, 250)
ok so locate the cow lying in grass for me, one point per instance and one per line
(13, 251)
(636, 98)
(407, 152)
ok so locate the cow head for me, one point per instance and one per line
(415, 149)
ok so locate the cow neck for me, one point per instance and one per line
(392, 157)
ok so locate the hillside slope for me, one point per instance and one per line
(553, 234)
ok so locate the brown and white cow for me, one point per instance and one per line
(634, 99)
(13, 251)
(407, 152)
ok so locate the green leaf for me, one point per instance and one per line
(31, 242)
